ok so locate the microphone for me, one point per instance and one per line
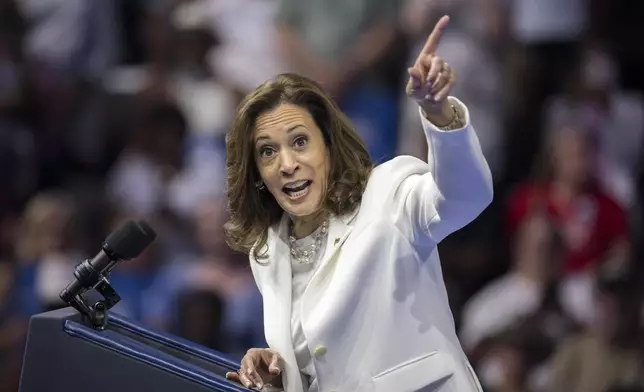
(124, 244)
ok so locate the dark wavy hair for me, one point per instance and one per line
(251, 211)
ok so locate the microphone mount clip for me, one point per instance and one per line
(97, 313)
(124, 244)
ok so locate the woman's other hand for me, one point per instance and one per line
(259, 367)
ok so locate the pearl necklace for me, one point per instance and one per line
(306, 254)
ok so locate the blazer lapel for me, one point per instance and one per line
(277, 304)
(339, 230)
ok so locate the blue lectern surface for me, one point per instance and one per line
(64, 354)
(176, 346)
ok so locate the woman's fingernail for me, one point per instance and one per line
(260, 385)
(428, 97)
(437, 98)
(429, 84)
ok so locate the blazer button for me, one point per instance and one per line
(319, 351)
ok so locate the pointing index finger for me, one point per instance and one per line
(432, 42)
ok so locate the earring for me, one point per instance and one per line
(260, 185)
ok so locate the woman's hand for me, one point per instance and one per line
(431, 79)
(259, 367)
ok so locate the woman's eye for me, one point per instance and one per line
(300, 142)
(266, 152)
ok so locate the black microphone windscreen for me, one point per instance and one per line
(129, 240)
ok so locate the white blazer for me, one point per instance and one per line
(375, 314)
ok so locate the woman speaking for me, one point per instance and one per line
(345, 254)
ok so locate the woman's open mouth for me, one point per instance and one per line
(297, 189)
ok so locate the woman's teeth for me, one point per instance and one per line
(298, 194)
(298, 190)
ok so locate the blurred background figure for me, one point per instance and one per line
(248, 37)
(347, 47)
(507, 365)
(222, 275)
(521, 313)
(545, 50)
(612, 115)
(594, 226)
(604, 357)
(118, 109)
(47, 248)
(525, 290)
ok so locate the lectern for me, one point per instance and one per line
(88, 348)
(65, 354)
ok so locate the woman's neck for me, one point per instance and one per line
(305, 225)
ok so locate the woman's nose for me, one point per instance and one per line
(288, 163)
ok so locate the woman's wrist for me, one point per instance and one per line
(440, 116)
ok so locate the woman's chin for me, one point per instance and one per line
(300, 209)
(301, 212)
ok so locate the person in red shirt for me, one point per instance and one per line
(594, 226)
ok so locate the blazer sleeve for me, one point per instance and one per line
(454, 187)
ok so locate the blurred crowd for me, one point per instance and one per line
(117, 109)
